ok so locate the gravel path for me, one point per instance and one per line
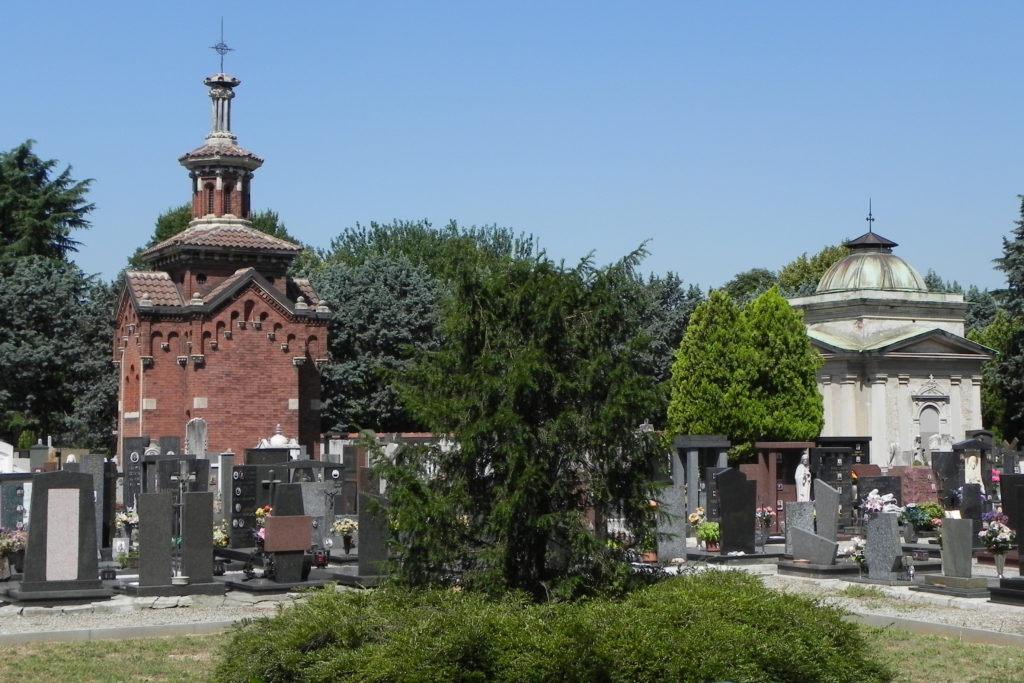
(123, 616)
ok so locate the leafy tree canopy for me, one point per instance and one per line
(801, 276)
(749, 285)
(55, 331)
(537, 381)
(749, 374)
(38, 211)
(998, 336)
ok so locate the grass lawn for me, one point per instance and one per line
(914, 658)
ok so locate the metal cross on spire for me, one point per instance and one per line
(870, 219)
(221, 48)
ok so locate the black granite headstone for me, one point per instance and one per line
(13, 501)
(197, 537)
(971, 507)
(156, 529)
(170, 444)
(738, 497)
(373, 526)
(884, 485)
(134, 449)
(1012, 487)
(243, 503)
(713, 508)
(266, 456)
(287, 502)
(834, 466)
(949, 476)
(61, 554)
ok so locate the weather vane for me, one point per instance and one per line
(221, 48)
(870, 219)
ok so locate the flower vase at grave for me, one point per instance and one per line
(346, 543)
(219, 568)
(1000, 560)
(760, 538)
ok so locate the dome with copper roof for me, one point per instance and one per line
(872, 265)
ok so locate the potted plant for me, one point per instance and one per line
(12, 542)
(220, 540)
(709, 533)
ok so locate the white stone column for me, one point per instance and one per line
(958, 411)
(825, 387)
(848, 406)
(879, 424)
(904, 416)
(974, 420)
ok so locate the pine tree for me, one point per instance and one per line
(1009, 377)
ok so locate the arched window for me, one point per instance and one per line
(228, 189)
(208, 188)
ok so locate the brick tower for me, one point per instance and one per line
(217, 331)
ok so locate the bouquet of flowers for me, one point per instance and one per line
(857, 551)
(875, 503)
(126, 518)
(344, 527)
(997, 537)
(696, 517)
(12, 541)
(262, 514)
(764, 516)
(220, 535)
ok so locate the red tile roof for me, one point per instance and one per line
(307, 291)
(219, 151)
(159, 287)
(225, 236)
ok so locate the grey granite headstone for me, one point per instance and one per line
(373, 526)
(315, 504)
(195, 437)
(226, 463)
(94, 466)
(826, 510)
(61, 553)
(883, 549)
(957, 547)
(197, 537)
(672, 514)
(738, 500)
(799, 515)
(156, 529)
(813, 548)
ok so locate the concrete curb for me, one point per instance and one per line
(968, 635)
(158, 631)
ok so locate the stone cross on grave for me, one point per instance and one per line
(269, 485)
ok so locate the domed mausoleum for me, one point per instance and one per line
(897, 367)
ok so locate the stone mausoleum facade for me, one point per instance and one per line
(897, 367)
(217, 331)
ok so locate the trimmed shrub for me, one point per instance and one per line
(718, 625)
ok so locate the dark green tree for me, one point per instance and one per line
(981, 310)
(801, 276)
(750, 375)
(750, 284)
(785, 402)
(713, 371)
(538, 384)
(38, 212)
(385, 310)
(998, 336)
(935, 283)
(664, 319)
(55, 330)
(1009, 377)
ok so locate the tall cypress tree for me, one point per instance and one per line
(1009, 376)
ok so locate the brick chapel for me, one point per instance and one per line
(217, 332)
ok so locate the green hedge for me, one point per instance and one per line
(715, 626)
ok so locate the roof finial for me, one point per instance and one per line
(221, 48)
(870, 219)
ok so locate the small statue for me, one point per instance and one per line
(803, 479)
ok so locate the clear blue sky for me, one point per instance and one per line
(731, 135)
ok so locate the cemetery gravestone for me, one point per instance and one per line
(94, 466)
(799, 515)
(971, 507)
(156, 529)
(60, 561)
(814, 548)
(883, 484)
(133, 449)
(917, 484)
(225, 468)
(672, 524)
(373, 526)
(288, 533)
(949, 475)
(834, 466)
(957, 547)
(826, 510)
(197, 537)
(1012, 489)
(883, 549)
(738, 499)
